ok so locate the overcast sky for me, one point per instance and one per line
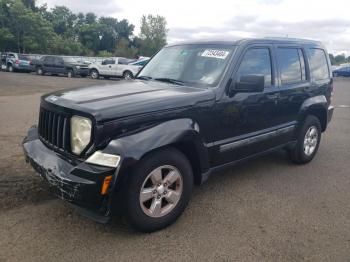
(328, 21)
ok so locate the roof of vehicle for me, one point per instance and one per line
(275, 40)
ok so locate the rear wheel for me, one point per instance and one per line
(308, 141)
(10, 68)
(158, 190)
(94, 74)
(39, 71)
(70, 73)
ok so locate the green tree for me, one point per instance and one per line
(62, 20)
(90, 18)
(124, 49)
(153, 34)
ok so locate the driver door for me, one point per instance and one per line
(245, 126)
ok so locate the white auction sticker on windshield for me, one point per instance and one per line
(221, 54)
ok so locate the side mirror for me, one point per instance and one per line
(249, 84)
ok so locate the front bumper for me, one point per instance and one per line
(82, 71)
(70, 179)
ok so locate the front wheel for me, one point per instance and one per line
(158, 190)
(308, 141)
(128, 75)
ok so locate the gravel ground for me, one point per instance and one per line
(264, 210)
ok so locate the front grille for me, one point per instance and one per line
(54, 129)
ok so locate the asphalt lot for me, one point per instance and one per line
(265, 210)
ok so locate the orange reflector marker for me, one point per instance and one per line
(105, 185)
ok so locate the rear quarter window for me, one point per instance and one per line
(319, 65)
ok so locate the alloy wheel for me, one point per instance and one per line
(310, 140)
(161, 191)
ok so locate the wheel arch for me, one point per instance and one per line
(128, 70)
(316, 106)
(181, 134)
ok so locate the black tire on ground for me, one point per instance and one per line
(94, 74)
(128, 75)
(134, 212)
(39, 71)
(298, 154)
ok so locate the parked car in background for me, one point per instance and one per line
(16, 62)
(342, 71)
(57, 65)
(114, 67)
(140, 63)
(3, 61)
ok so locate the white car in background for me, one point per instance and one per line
(115, 67)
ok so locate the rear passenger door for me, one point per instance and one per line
(294, 85)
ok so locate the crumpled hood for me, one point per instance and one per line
(128, 98)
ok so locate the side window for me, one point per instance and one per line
(292, 65)
(48, 59)
(256, 61)
(58, 60)
(319, 65)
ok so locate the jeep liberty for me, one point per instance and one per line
(139, 146)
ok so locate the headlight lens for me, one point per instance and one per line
(80, 133)
(103, 159)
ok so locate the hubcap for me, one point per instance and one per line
(310, 140)
(94, 75)
(127, 76)
(161, 191)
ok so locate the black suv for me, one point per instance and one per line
(57, 65)
(139, 146)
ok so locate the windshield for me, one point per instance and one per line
(197, 65)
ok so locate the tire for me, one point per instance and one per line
(94, 74)
(70, 73)
(10, 68)
(39, 71)
(128, 75)
(140, 214)
(308, 141)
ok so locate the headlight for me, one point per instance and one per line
(80, 134)
(103, 159)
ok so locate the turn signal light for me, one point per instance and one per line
(105, 186)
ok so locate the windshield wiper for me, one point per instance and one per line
(144, 77)
(170, 80)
